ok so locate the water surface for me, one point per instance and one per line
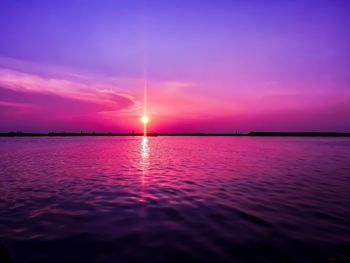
(175, 199)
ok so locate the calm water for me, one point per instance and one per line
(175, 199)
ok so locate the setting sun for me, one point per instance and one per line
(145, 119)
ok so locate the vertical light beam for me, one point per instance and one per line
(145, 75)
(145, 118)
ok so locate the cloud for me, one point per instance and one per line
(92, 93)
(16, 108)
(47, 97)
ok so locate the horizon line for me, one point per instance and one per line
(154, 134)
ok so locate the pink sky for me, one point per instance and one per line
(62, 101)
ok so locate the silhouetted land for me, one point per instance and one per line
(327, 134)
(298, 134)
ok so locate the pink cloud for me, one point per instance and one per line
(14, 105)
(58, 100)
(25, 82)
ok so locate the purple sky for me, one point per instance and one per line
(212, 66)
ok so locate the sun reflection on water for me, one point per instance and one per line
(144, 165)
(144, 150)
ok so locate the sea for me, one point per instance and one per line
(175, 199)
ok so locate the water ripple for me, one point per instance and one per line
(175, 199)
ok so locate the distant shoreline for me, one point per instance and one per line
(250, 134)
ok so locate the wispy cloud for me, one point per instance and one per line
(23, 107)
(93, 93)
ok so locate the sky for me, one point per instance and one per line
(209, 66)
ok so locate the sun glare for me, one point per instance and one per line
(144, 119)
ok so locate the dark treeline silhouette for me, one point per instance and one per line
(312, 134)
(329, 134)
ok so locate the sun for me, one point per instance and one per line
(145, 119)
